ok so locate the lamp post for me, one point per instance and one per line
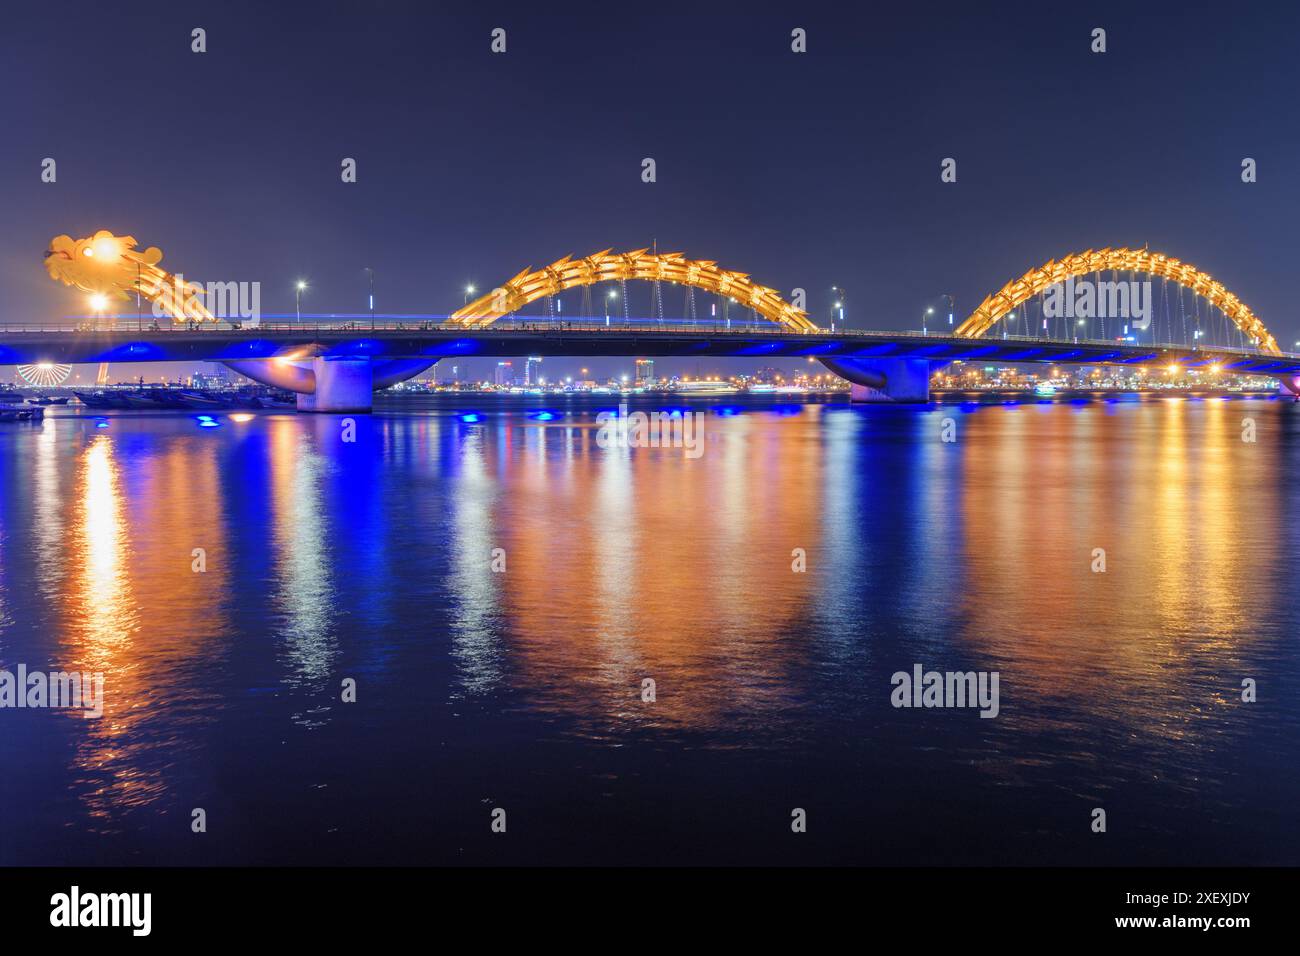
(371, 274)
(609, 299)
(469, 291)
(98, 302)
(924, 323)
(297, 298)
(840, 299)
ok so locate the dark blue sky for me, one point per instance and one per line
(804, 170)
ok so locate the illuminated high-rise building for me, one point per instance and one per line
(533, 370)
(505, 374)
(645, 372)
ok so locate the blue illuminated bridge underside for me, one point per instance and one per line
(214, 345)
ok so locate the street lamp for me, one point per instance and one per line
(609, 299)
(98, 302)
(469, 291)
(924, 329)
(371, 273)
(297, 298)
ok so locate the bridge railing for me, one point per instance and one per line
(350, 324)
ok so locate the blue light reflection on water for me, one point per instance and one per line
(373, 560)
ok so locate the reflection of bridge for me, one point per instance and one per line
(335, 367)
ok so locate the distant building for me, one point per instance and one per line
(505, 374)
(645, 372)
(208, 380)
(533, 370)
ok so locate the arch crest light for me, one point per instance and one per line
(1011, 295)
(610, 266)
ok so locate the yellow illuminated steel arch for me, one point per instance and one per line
(1049, 274)
(609, 266)
(109, 265)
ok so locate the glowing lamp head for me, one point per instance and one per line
(1173, 367)
(99, 302)
(301, 285)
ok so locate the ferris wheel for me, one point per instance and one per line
(45, 374)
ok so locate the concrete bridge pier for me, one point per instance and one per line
(884, 379)
(334, 384)
(342, 385)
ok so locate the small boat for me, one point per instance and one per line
(705, 387)
(1044, 388)
(21, 413)
(200, 400)
(94, 399)
(140, 400)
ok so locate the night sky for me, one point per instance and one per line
(803, 170)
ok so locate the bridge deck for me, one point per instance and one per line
(431, 341)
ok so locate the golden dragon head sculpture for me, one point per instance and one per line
(109, 265)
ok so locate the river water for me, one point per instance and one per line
(521, 687)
